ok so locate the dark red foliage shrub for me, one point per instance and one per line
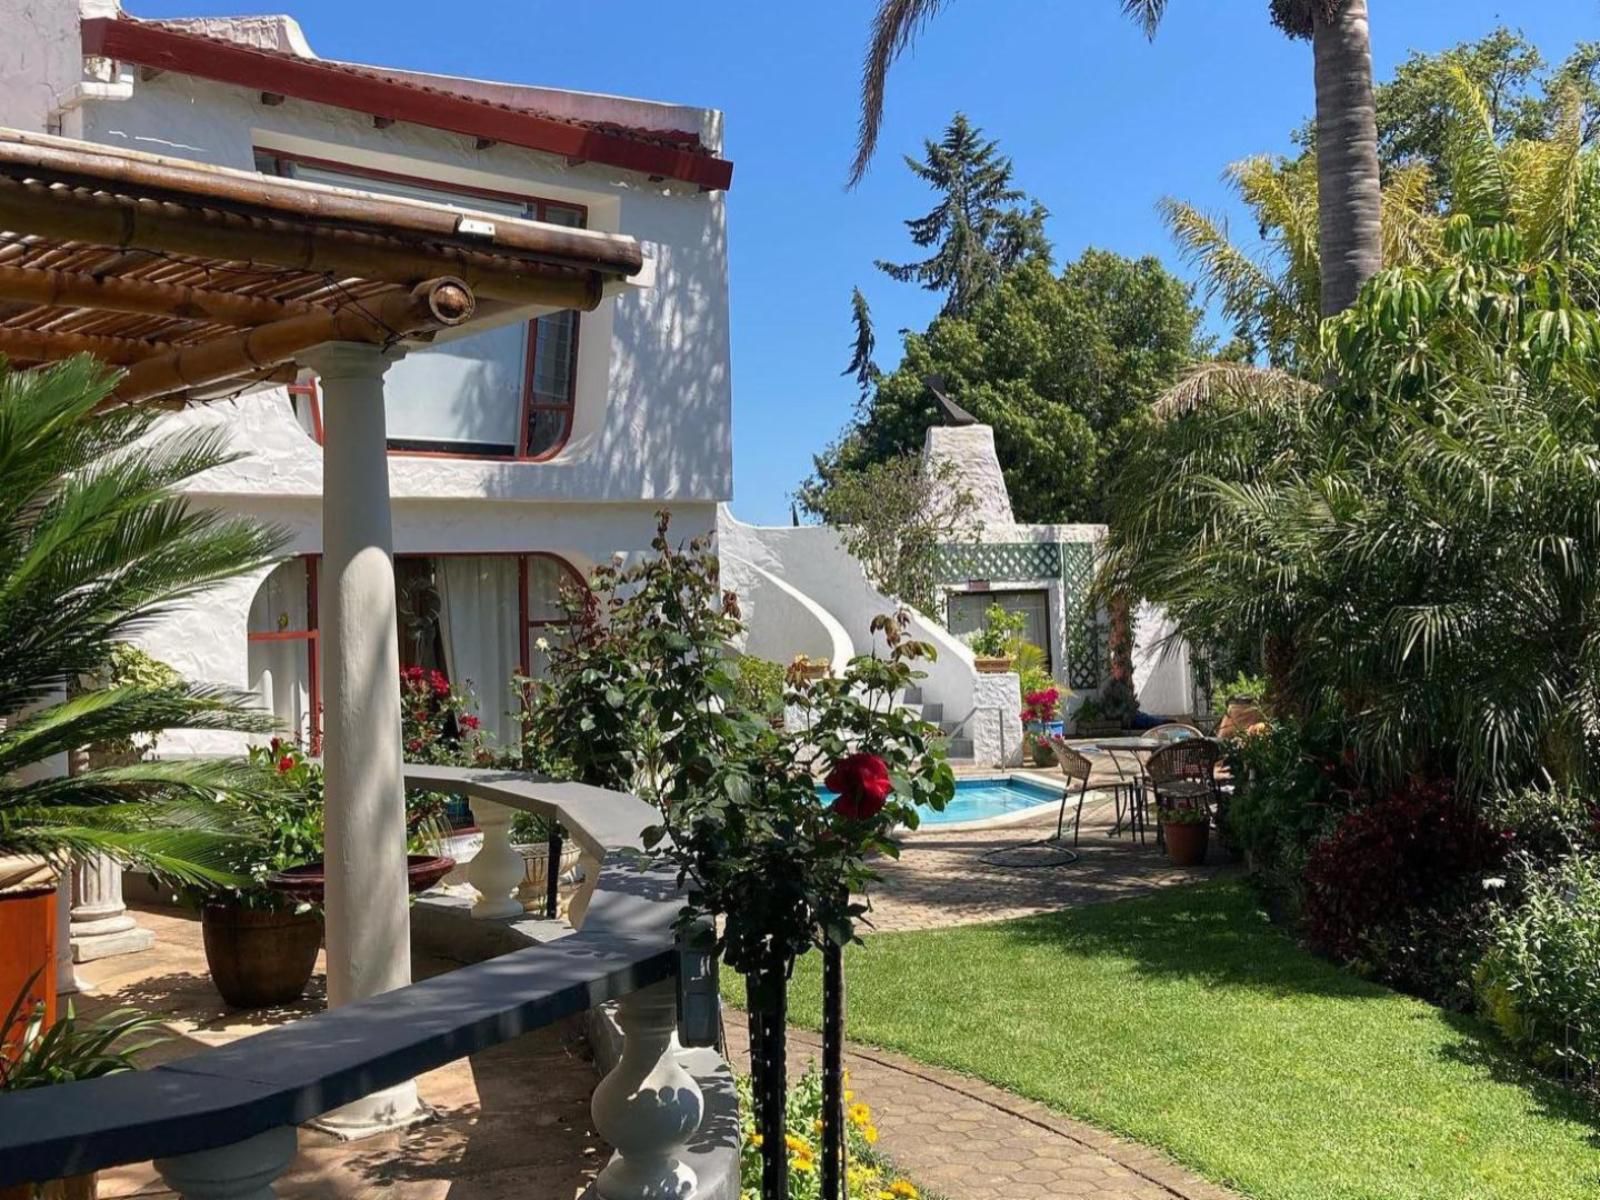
(1416, 853)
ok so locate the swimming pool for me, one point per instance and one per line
(987, 799)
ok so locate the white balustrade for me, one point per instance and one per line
(497, 869)
(241, 1171)
(101, 924)
(648, 1107)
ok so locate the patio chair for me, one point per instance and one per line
(1184, 771)
(1077, 769)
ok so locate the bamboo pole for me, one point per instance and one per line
(95, 166)
(79, 289)
(381, 319)
(117, 221)
(35, 345)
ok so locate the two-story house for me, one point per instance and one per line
(519, 455)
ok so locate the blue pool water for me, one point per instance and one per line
(981, 799)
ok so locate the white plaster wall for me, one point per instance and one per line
(780, 620)
(969, 451)
(654, 415)
(41, 61)
(812, 559)
(996, 726)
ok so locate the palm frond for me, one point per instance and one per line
(894, 27)
(1206, 383)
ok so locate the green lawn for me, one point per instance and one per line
(1185, 1021)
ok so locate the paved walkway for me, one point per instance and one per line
(511, 1123)
(969, 1141)
(941, 879)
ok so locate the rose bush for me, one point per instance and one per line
(861, 785)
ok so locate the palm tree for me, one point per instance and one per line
(95, 543)
(1349, 193)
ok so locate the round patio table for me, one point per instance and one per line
(1130, 771)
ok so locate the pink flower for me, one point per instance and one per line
(862, 781)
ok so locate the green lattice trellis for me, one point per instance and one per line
(1073, 563)
(1001, 560)
(1086, 651)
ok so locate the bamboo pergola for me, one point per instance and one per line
(195, 278)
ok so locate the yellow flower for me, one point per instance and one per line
(870, 1134)
(859, 1114)
(797, 1145)
(816, 1127)
(756, 1139)
(804, 1163)
(903, 1189)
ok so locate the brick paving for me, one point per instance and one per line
(941, 878)
(967, 1140)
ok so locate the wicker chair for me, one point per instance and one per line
(1183, 772)
(1076, 768)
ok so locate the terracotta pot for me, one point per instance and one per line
(1243, 712)
(535, 864)
(1186, 844)
(28, 934)
(813, 671)
(992, 666)
(308, 883)
(73, 1187)
(260, 957)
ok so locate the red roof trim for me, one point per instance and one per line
(361, 90)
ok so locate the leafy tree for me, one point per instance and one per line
(1349, 199)
(895, 516)
(979, 230)
(1056, 363)
(1414, 546)
(95, 541)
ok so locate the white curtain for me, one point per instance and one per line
(478, 619)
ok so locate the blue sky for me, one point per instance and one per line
(1100, 123)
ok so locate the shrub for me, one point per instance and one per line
(1539, 981)
(1290, 790)
(1243, 686)
(759, 685)
(1397, 890)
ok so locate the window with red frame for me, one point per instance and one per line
(507, 392)
(478, 618)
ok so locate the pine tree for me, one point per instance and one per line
(862, 365)
(981, 227)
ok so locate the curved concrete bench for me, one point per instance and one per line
(217, 1100)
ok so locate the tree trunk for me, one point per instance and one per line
(1350, 190)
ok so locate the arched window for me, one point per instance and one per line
(282, 659)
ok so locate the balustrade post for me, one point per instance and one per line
(101, 924)
(496, 870)
(648, 1107)
(240, 1171)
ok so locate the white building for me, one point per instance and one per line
(519, 456)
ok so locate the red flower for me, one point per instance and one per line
(286, 763)
(414, 745)
(468, 721)
(862, 781)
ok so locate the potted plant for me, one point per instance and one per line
(1041, 711)
(94, 536)
(261, 944)
(1238, 704)
(1090, 720)
(1185, 829)
(530, 837)
(994, 645)
(36, 1051)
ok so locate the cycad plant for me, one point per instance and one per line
(96, 543)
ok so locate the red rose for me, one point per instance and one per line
(862, 781)
(286, 763)
(468, 721)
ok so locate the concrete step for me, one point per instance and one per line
(911, 696)
(933, 713)
(959, 749)
(948, 727)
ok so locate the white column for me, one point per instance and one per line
(101, 924)
(242, 1171)
(368, 917)
(66, 977)
(648, 1107)
(496, 869)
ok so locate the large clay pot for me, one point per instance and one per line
(260, 957)
(27, 935)
(992, 665)
(1243, 712)
(73, 1187)
(1186, 844)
